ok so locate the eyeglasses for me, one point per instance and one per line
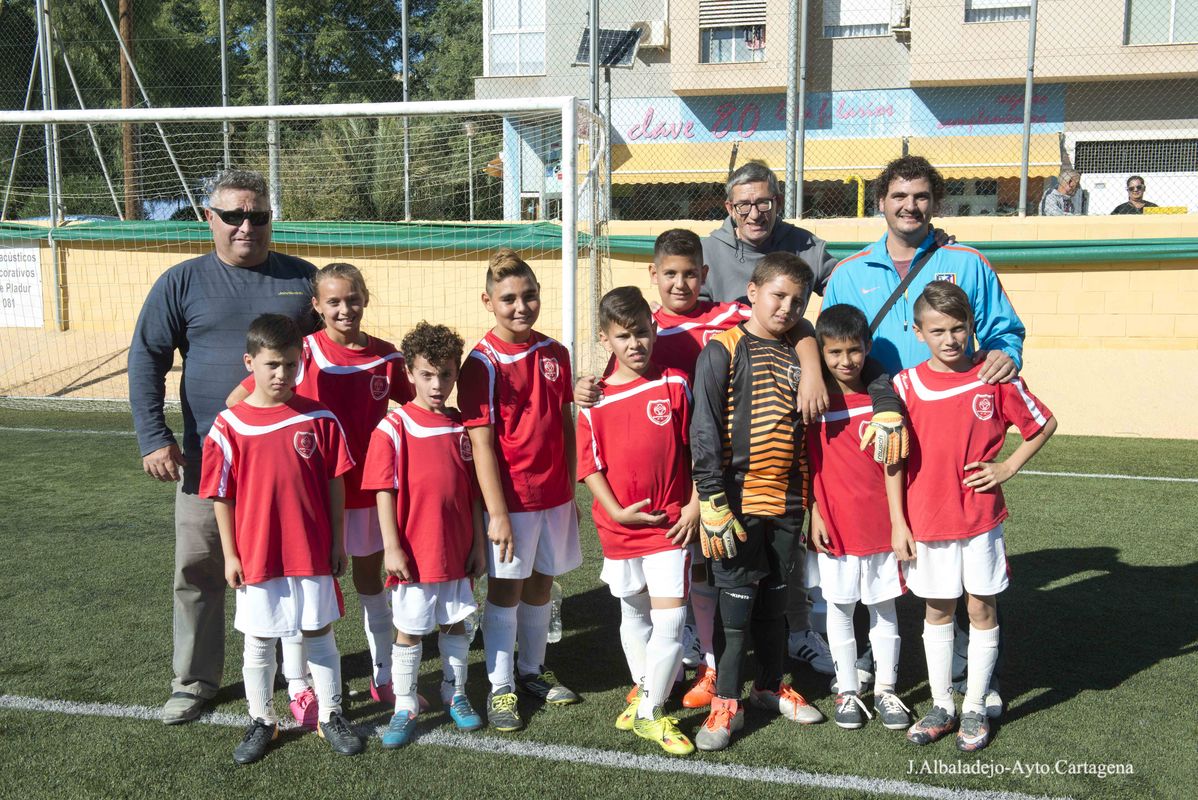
(762, 206)
(238, 217)
(1136, 188)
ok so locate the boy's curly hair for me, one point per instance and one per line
(439, 344)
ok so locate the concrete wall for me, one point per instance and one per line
(1112, 348)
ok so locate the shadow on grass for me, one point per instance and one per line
(1080, 619)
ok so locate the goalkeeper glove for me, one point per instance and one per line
(720, 528)
(889, 436)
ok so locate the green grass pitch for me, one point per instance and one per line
(1099, 668)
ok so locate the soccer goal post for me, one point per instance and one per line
(418, 195)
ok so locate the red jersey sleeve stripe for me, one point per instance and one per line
(586, 412)
(1030, 402)
(226, 450)
(486, 362)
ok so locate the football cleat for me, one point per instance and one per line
(546, 688)
(702, 690)
(726, 717)
(936, 724)
(786, 702)
(255, 742)
(664, 731)
(974, 733)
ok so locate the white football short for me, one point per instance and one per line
(285, 606)
(943, 570)
(545, 541)
(363, 536)
(418, 608)
(664, 574)
(847, 579)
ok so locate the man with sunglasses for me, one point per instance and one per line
(202, 308)
(1135, 198)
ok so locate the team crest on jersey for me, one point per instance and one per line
(379, 384)
(793, 372)
(658, 411)
(951, 277)
(708, 336)
(983, 406)
(465, 448)
(305, 443)
(550, 368)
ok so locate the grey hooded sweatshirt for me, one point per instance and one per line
(730, 261)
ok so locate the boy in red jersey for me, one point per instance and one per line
(685, 324)
(513, 391)
(354, 374)
(634, 458)
(273, 465)
(955, 505)
(421, 464)
(857, 510)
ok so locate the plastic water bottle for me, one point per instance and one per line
(473, 623)
(555, 613)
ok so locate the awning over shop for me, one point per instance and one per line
(835, 159)
(989, 156)
(707, 162)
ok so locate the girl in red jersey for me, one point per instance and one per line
(355, 375)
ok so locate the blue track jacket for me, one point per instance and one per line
(868, 278)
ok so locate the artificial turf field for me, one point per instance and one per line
(1100, 661)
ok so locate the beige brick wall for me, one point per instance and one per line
(1112, 348)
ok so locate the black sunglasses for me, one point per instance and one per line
(238, 217)
(1135, 187)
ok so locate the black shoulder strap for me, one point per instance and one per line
(916, 266)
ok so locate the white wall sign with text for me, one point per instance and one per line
(20, 287)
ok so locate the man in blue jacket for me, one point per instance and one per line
(908, 191)
(202, 308)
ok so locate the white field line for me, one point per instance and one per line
(1106, 476)
(588, 756)
(1102, 476)
(65, 431)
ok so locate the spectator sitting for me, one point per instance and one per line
(1135, 198)
(1065, 199)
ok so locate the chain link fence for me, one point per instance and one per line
(694, 90)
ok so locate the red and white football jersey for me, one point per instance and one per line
(356, 386)
(637, 437)
(521, 390)
(425, 458)
(681, 337)
(275, 464)
(849, 485)
(957, 419)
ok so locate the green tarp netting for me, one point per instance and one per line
(542, 236)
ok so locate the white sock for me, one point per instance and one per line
(532, 633)
(455, 652)
(842, 643)
(704, 601)
(325, 664)
(376, 617)
(295, 665)
(499, 642)
(635, 630)
(405, 659)
(258, 672)
(818, 616)
(938, 650)
(983, 654)
(884, 637)
(663, 655)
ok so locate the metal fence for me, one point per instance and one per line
(1000, 94)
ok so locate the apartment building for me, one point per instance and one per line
(1116, 92)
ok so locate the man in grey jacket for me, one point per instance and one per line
(202, 308)
(753, 230)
